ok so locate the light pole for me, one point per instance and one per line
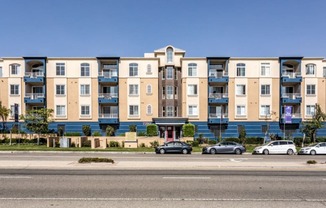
(221, 125)
(284, 121)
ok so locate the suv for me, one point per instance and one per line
(276, 147)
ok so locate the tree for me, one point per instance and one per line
(86, 130)
(37, 121)
(242, 134)
(4, 113)
(311, 126)
(109, 131)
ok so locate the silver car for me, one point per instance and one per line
(224, 147)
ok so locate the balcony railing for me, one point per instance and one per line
(108, 95)
(218, 115)
(34, 74)
(294, 115)
(215, 66)
(291, 74)
(291, 95)
(218, 95)
(110, 66)
(34, 95)
(217, 74)
(108, 74)
(108, 115)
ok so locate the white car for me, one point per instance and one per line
(276, 147)
(314, 149)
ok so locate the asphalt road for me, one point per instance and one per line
(174, 187)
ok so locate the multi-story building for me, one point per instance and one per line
(219, 95)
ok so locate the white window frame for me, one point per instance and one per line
(149, 69)
(133, 69)
(85, 111)
(265, 89)
(241, 111)
(14, 69)
(169, 72)
(192, 110)
(192, 69)
(12, 110)
(1, 71)
(60, 110)
(84, 69)
(149, 89)
(241, 70)
(169, 92)
(241, 89)
(310, 110)
(192, 90)
(265, 110)
(14, 89)
(169, 55)
(60, 69)
(59, 89)
(133, 110)
(133, 89)
(85, 89)
(149, 109)
(311, 89)
(169, 111)
(310, 69)
(324, 71)
(265, 69)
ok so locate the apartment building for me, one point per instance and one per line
(219, 95)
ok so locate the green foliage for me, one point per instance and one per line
(14, 129)
(37, 121)
(86, 130)
(242, 134)
(151, 130)
(237, 140)
(311, 126)
(311, 162)
(96, 133)
(188, 130)
(154, 143)
(132, 128)
(72, 134)
(95, 159)
(211, 141)
(321, 139)
(201, 139)
(109, 131)
(141, 133)
(87, 143)
(60, 131)
(142, 145)
(4, 113)
(114, 144)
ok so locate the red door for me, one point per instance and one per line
(169, 134)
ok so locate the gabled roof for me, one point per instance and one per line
(176, 50)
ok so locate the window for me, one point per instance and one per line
(265, 69)
(241, 70)
(149, 110)
(265, 90)
(133, 69)
(14, 69)
(133, 110)
(169, 92)
(61, 110)
(84, 89)
(192, 110)
(169, 73)
(192, 89)
(241, 110)
(169, 111)
(149, 69)
(311, 89)
(84, 111)
(149, 89)
(192, 70)
(12, 110)
(169, 55)
(264, 110)
(84, 70)
(14, 89)
(133, 89)
(241, 89)
(60, 89)
(324, 72)
(310, 69)
(310, 110)
(60, 69)
(0, 71)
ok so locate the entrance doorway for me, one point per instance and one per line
(169, 133)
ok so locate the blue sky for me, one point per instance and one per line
(129, 28)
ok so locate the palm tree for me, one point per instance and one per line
(4, 113)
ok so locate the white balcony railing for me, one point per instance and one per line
(108, 115)
(218, 115)
(218, 95)
(108, 74)
(34, 74)
(291, 74)
(34, 95)
(294, 115)
(291, 95)
(108, 95)
(216, 74)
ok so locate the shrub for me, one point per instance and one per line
(232, 140)
(95, 159)
(96, 133)
(114, 144)
(321, 139)
(142, 145)
(141, 133)
(254, 140)
(211, 141)
(86, 130)
(73, 144)
(188, 130)
(72, 134)
(132, 128)
(87, 143)
(311, 162)
(109, 131)
(151, 130)
(154, 143)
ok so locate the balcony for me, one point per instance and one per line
(296, 119)
(34, 77)
(218, 77)
(218, 98)
(108, 77)
(293, 98)
(218, 118)
(291, 77)
(34, 98)
(108, 98)
(107, 118)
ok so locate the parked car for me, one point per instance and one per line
(276, 147)
(174, 147)
(224, 147)
(314, 149)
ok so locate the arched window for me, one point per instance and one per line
(149, 110)
(14, 69)
(133, 69)
(149, 69)
(169, 55)
(241, 70)
(192, 69)
(310, 69)
(149, 89)
(84, 69)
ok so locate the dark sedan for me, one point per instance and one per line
(224, 147)
(174, 147)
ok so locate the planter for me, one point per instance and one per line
(65, 142)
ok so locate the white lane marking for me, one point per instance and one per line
(185, 177)
(161, 199)
(324, 179)
(15, 177)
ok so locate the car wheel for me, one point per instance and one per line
(290, 152)
(312, 152)
(265, 152)
(162, 151)
(212, 151)
(238, 151)
(184, 151)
